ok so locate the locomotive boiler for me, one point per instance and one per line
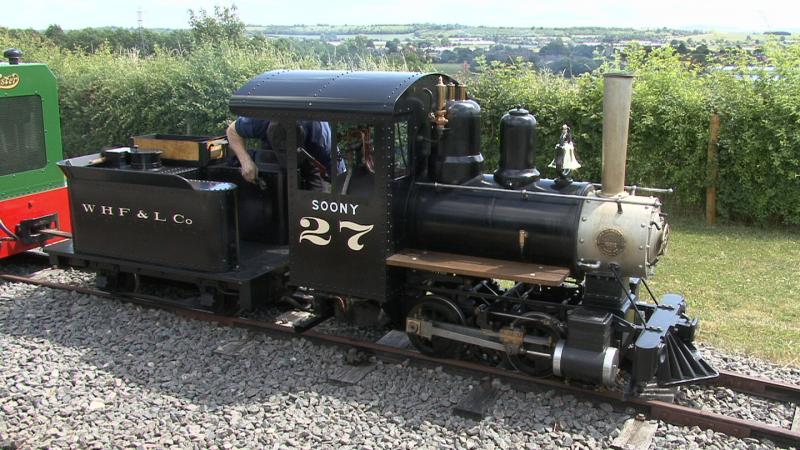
(519, 215)
(545, 273)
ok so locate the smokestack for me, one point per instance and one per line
(618, 88)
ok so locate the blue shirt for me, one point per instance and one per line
(317, 140)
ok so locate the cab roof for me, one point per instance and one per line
(335, 95)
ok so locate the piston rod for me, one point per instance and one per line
(480, 337)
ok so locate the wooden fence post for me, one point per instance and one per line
(712, 171)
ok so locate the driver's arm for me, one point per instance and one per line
(237, 144)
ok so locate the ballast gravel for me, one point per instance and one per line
(86, 372)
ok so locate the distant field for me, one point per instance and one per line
(743, 283)
(453, 69)
(714, 35)
(374, 37)
(732, 37)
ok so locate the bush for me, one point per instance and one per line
(108, 96)
(760, 138)
(759, 142)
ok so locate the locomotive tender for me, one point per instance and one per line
(413, 232)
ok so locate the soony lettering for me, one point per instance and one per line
(334, 207)
(117, 211)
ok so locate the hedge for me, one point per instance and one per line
(759, 141)
(107, 97)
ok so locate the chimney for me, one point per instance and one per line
(618, 88)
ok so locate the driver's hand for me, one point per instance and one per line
(249, 171)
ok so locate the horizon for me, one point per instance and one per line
(684, 15)
(453, 24)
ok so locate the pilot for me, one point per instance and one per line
(314, 152)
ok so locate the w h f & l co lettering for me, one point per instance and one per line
(118, 211)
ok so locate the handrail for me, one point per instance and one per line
(525, 193)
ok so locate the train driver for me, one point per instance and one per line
(313, 155)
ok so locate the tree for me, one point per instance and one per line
(358, 45)
(555, 47)
(393, 46)
(223, 26)
(584, 51)
(55, 34)
(679, 46)
(700, 54)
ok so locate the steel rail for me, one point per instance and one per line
(655, 409)
(761, 387)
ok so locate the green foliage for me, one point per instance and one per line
(224, 26)
(119, 39)
(669, 125)
(760, 138)
(500, 87)
(759, 142)
(106, 98)
(108, 95)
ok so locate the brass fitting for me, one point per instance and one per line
(441, 94)
(462, 92)
(439, 116)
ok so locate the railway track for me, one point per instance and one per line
(654, 409)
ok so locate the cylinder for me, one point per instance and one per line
(517, 149)
(459, 157)
(618, 89)
(587, 365)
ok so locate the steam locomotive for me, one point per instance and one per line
(546, 272)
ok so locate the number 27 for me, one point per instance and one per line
(317, 232)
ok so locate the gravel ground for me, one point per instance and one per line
(84, 372)
(23, 264)
(751, 366)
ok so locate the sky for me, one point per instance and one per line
(719, 15)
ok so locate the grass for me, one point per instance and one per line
(742, 282)
(455, 70)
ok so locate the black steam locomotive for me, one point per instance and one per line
(413, 232)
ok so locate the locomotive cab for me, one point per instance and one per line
(339, 240)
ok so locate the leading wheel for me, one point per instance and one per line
(439, 309)
(541, 325)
